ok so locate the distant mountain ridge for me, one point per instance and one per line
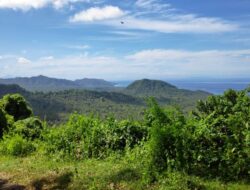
(125, 102)
(93, 83)
(46, 84)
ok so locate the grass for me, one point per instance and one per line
(40, 172)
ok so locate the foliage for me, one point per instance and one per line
(15, 117)
(3, 122)
(16, 106)
(16, 146)
(212, 143)
(30, 128)
(222, 135)
(165, 145)
(86, 137)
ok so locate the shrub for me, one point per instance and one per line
(6, 122)
(16, 106)
(165, 145)
(86, 137)
(3, 122)
(28, 128)
(222, 136)
(214, 142)
(16, 146)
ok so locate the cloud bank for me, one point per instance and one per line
(152, 63)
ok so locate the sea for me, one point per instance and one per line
(209, 85)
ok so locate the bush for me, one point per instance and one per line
(30, 128)
(16, 146)
(165, 145)
(3, 122)
(87, 137)
(221, 138)
(6, 122)
(214, 142)
(16, 106)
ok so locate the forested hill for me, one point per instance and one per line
(94, 83)
(11, 89)
(146, 87)
(46, 84)
(123, 103)
(165, 93)
(56, 106)
(158, 88)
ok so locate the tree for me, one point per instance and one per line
(222, 140)
(3, 122)
(29, 128)
(16, 106)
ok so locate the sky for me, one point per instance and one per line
(125, 39)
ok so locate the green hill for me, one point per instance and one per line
(55, 106)
(11, 89)
(94, 83)
(165, 93)
(150, 87)
(129, 102)
(46, 84)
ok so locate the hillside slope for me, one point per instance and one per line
(55, 106)
(93, 83)
(150, 87)
(165, 93)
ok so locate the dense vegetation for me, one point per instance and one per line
(121, 103)
(56, 106)
(164, 150)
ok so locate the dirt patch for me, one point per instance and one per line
(5, 185)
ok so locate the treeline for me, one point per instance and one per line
(213, 141)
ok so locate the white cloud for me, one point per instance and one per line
(35, 4)
(23, 60)
(155, 63)
(23, 4)
(176, 24)
(215, 63)
(61, 3)
(169, 23)
(154, 55)
(98, 14)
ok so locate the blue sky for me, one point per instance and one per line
(127, 39)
